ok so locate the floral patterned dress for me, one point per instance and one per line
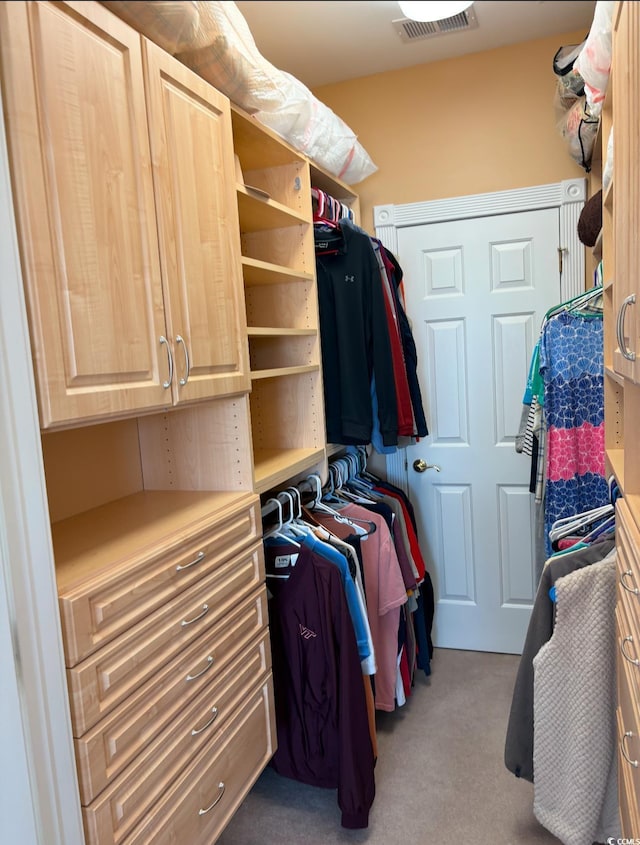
(572, 367)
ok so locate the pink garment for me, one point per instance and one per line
(385, 593)
(575, 451)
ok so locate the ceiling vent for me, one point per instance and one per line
(409, 30)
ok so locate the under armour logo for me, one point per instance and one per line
(349, 278)
(306, 633)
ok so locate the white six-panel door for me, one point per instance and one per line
(477, 291)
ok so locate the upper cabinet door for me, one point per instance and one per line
(194, 180)
(79, 149)
(625, 75)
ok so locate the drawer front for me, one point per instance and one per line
(627, 799)
(628, 643)
(106, 678)
(109, 747)
(131, 796)
(198, 805)
(628, 560)
(98, 610)
(629, 733)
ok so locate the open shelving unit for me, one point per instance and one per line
(278, 262)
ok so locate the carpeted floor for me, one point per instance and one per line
(440, 776)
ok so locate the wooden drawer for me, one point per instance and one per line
(628, 558)
(125, 802)
(627, 799)
(96, 610)
(628, 644)
(109, 747)
(629, 722)
(108, 676)
(197, 806)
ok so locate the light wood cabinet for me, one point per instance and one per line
(107, 749)
(201, 801)
(107, 339)
(278, 260)
(621, 259)
(193, 167)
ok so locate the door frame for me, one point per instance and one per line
(568, 196)
(40, 794)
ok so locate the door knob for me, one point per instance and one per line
(420, 466)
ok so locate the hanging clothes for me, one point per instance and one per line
(572, 368)
(321, 708)
(359, 353)
(385, 594)
(574, 752)
(354, 337)
(518, 754)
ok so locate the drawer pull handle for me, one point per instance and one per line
(187, 364)
(205, 610)
(166, 384)
(626, 353)
(196, 559)
(633, 660)
(218, 797)
(627, 735)
(214, 714)
(624, 575)
(199, 674)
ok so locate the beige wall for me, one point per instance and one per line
(483, 122)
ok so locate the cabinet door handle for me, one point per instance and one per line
(626, 353)
(634, 660)
(187, 365)
(193, 562)
(167, 383)
(201, 812)
(214, 714)
(625, 736)
(205, 610)
(199, 674)
(624, 575)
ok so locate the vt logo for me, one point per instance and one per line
(306, 633)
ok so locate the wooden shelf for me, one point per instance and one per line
(284, 371)
(275, 466)
(610, 373)
(615, 459)
(88, 542)
(607, 196)
(259, 215)
(256, 331)
(258, 272)
(321, 178)
(334, 448)
(257, 145)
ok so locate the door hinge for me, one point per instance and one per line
(561, 251)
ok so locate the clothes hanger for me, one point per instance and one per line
(278, 531)
(320, 505)
(295, 523)
(572, 524)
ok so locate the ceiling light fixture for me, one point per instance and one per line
(433, 11)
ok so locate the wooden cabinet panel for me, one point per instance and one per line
(81, 174)
(197, 806)
(628, 666)
(108, 676)
(109, 747)
(99, 608)
(124, 803)
(626, 195)
(194, 177)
